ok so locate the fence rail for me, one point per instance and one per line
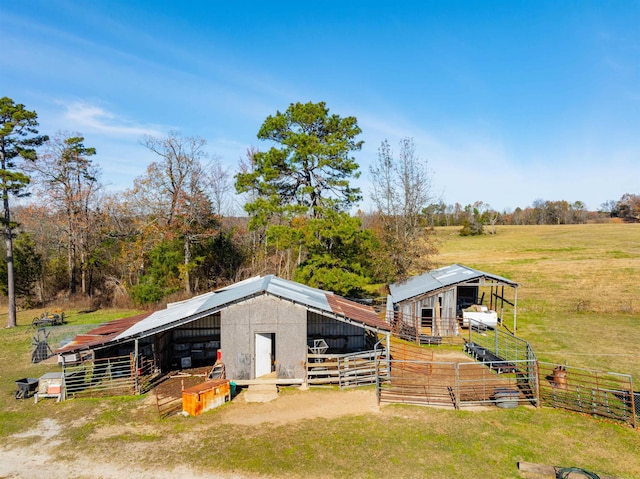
(442, 331)
(452, 384)
(345, 370)
(501, 343)
(588, 391)
(504, 352)
(167, 404)
(108, 377)
(169, 393)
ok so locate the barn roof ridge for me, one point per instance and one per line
(440, 278)
(188, 310)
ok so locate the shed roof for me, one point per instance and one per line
(436, 279)
(101, 334)
(199, 306)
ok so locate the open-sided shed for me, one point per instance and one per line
(257, 326)
(432, 303)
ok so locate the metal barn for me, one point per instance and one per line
(263, 325)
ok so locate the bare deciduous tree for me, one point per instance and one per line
(217, 182)
(401, 191)
(168, 180)
(68, 179)
(178, 191)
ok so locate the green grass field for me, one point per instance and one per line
(578, 301)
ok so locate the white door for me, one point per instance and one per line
(263, 353)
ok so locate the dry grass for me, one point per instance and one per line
(577, 302)
(579, 294)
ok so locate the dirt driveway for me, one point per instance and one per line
(38, 459)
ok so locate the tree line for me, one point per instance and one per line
(171, 235)
(481, 218)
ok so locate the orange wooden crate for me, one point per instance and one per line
(54, 389)
(205, 396)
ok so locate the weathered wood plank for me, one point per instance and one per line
(552, 470)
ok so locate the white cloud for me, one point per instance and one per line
(89, 118)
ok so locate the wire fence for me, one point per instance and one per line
(453, 384)
(47, 339)
(502, 344)
(504, 352)
(108, 377)
(588, 391)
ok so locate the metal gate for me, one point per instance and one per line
(457, 385)
(108, 377)
(589, 391)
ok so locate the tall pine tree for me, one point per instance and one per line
(18, 139)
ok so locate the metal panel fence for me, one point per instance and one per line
(504, 352)
(588, 391)
(346, 370)
(409, 328)
(501, 343)
(454, 384)
(108, 377)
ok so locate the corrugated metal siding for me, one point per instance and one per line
(340, 337)
(207, 326)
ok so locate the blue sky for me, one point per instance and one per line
(509, 101)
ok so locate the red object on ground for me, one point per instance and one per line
(205, 396)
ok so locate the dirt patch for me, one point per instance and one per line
(37, 463)
(297, 405)
(450, 356)
(173, 384)
(39, 459)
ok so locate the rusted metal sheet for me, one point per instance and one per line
(356, 312)
(102, 334)
(206, 396)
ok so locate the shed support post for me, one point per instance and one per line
(515, 310)
(388, 346)
(634, 415)
(136, 386)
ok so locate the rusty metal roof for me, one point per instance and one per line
(101, 334)
(356, 312)
(199, 306)
(442, 278)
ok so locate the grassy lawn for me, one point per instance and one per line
(578, 301)
(579, 294)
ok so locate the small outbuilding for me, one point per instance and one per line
(432, 304)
